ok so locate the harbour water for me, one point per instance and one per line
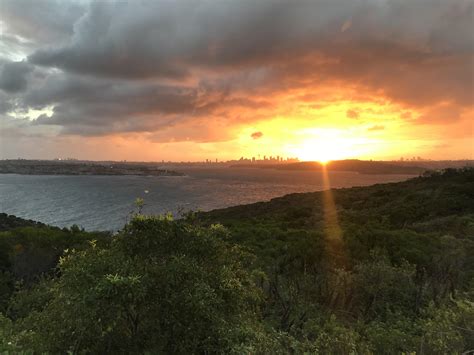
(105, 202)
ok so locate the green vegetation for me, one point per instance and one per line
(257, 279)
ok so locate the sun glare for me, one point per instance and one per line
(327, 145)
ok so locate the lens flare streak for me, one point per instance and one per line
(332, 229)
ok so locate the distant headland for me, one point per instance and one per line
(72, 167)
(364, 166)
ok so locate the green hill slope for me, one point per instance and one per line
(418, 213)
(411, 245)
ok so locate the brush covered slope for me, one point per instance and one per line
(398, 278)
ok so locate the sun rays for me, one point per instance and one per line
(332, 229)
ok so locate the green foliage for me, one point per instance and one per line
(381, 289)
(162, 286)
(440, 333)
(30, 249)
(408, 245)
(7, 335)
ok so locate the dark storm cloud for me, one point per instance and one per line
(93, 106)
(13, 76)
(97, 106)
(42, 22)
(146, 65)
(5, 104)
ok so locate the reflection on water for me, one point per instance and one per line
(104, 202)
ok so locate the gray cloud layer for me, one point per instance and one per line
(13, 76)
(146, 65)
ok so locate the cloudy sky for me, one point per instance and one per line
(190, 80)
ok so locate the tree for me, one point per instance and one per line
(162, 286)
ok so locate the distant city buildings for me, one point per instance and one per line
(255, 160)
(413, 159)
(66, 159)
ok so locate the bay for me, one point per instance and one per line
(105, 202)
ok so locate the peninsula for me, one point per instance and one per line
(75, 167)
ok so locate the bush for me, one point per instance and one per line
(162, 286)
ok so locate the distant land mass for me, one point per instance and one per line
(71, 167)
(85, 167)
(362, 166)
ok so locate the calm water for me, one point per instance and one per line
(104, 202)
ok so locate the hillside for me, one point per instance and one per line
(354, 165)
(411, 220)
(404, 203)
(385, 269)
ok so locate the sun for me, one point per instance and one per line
(325, 145)
(323, 150)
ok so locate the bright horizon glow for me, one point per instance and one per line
(324, 145)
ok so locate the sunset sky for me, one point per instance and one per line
(191, 80)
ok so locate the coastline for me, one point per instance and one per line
(72, 168)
